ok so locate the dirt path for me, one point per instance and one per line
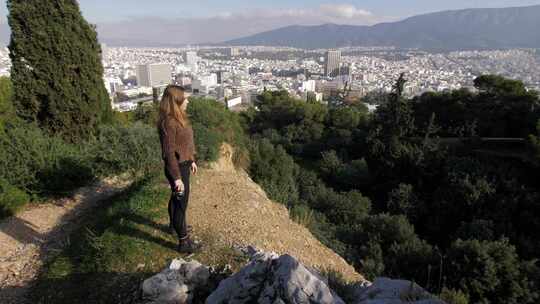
(29, 237)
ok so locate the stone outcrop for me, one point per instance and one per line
(270, 279)
(177, 284)
(388, 291)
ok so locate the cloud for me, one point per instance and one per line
(323, 12)
(347, 11)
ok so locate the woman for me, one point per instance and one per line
(178, 151)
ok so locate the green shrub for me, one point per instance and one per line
(22, 151)
(402, 200)
(452, 296)
(345, 207)
(147, 113)
(32, 160)
(338, 284)
(274, 170)
(384, 241)
(38, 163)
(355, 173)
(120, 149)
(371, 261)
(534, 145)
(343, 176)
(123, 118)
(11, 199)
(64, 173)
(481, 230)
(214, 124)
(207, 142)
(7, 111)
(326, 233)
(330, 163)
(303, 215)
(489, 272)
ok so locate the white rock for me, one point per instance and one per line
(194, 273)
(176, 264)
(269, 279)
(176, 284)
(388, 291)
(166, 288)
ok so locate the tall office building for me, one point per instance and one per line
(191, 58)
(308, 86)
(332, 63)
(154, 75)
(222, 76)
(232, 52)
(104, 51)
(345, 72)
(203, 83)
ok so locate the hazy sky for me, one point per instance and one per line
(111, 10)
(134, 21)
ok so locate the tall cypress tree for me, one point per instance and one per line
(56, 67)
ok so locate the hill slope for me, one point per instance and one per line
(459, 29)
(125, 239)
(227, 204)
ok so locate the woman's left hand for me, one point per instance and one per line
(194, 168)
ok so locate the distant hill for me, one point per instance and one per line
(458, 29)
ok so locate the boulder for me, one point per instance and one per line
(177, 284)
(270, 278)
(388, 291)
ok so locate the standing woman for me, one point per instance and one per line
(178, 151)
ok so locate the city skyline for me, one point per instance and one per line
(140, 22)
(216, 74)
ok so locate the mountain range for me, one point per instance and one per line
(513, 27)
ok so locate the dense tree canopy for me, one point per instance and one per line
(57, 71)
(501, 108)
(534, 141)
(6, 102)
(410, 191)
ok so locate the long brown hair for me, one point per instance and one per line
(170, 106)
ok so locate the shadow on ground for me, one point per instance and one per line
(71, 245)
(98, 288)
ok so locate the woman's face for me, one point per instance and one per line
(186, 101)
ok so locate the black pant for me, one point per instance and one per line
(178, 205)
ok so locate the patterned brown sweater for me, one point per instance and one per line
(177, 146)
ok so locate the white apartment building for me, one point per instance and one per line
(154, 75)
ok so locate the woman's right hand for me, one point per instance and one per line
(178, 185)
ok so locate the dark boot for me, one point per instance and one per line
(187, 246)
